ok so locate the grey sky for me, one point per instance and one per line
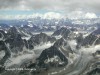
(57, 5)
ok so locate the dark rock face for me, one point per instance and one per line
(79, 39)
(14, 40)
(66, 33)
(24, 32)
(2, 69)
(96, 53)
(64, 46)
(15, 30)
(15, 43)
(40, 39)
(96, 32)
(70, 34)
(63, 31)
(7, 52)
(4, 47)
(95, 71)
(91, 40)
(60, 42)
(12, 32)
(3, 33)
(50, 53)
(94, 68)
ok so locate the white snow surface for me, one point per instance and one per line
(20, 58)
(39, 48)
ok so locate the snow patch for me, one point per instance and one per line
(91, 49)
(18, 60)
(90, 15)
(72, 44)
(81, 15)
(39, 48)
(2, 54)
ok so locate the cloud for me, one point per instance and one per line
(90, 15)
(81, 15)
(53, 5)
(52, 15)
(48, 15)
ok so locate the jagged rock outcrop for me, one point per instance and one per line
(15, 30)
(40, 39)
(3, 33)
(15, 43)
(95, 71)
(63, 31)
(64, 46)
(91, 39)
(96, 32)
(4, 47)
(14, 40)
(50, 53)
(66, 33)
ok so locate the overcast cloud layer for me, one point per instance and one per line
(52, 5)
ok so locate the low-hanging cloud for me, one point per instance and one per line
(53, 5)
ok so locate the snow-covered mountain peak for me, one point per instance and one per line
(81, 15)
(90, 15)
